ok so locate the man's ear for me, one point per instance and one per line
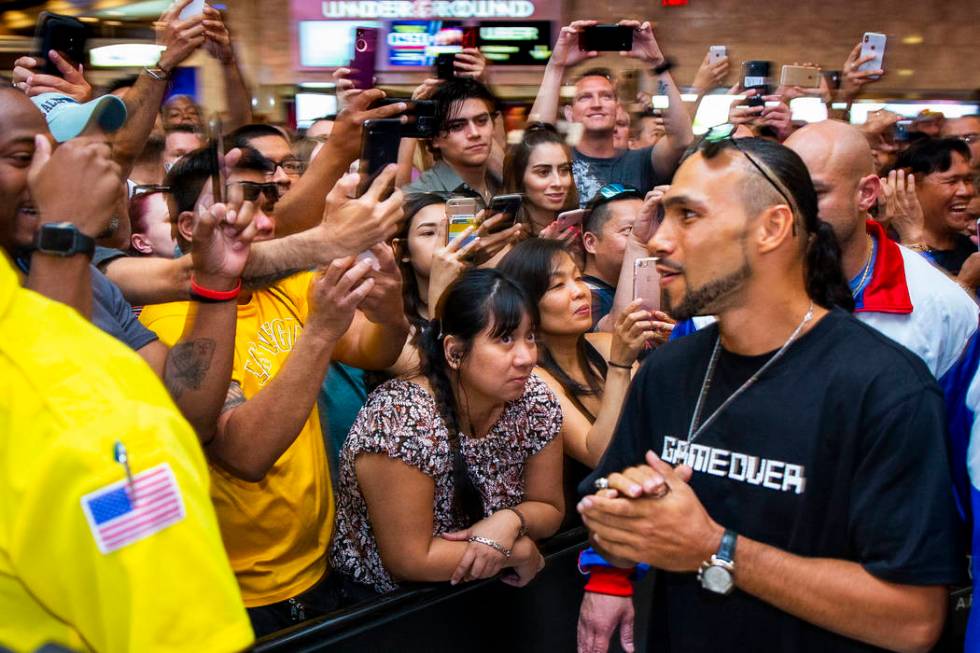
(141, 244)
(589, 241)
(868, 190)
(567, 112)
(185, 225)
(773, 227)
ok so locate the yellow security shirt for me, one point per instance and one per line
(276, 531)
(81, 565)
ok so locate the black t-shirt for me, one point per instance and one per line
(629, 167)
(952, 260)
(837, 451)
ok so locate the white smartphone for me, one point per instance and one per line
(873, 44)
(195, 8)
(716, 53)
(570, 219)
(646, 282)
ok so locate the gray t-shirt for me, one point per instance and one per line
(629, 167)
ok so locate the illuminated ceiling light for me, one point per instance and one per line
(113, 23)
(115, 13)
(905, 72)
(912, 39)
(88, 19)
(317, 85)
(125, 55)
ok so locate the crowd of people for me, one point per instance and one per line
(247, 386)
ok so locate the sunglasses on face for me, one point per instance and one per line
(149, 189)
(720, 134)
(252, 190)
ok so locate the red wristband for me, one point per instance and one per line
(610, 580)
(215, 295)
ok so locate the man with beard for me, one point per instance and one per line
(811, 506)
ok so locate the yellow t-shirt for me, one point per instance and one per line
(276, 531)
(68, 394)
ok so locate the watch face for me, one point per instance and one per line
(717, 579)
(56, 240)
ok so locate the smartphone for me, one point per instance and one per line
(873, 44)
(216, 151)
(902, 131)
(755, 75)
(570, 219)
(801, 76)
(379, 148)
(64, 34)
(446, 65)
(606, 38)
(421, 116)
(470, 35)
(461, 213)
(716, 53)
(509, 205)
(195, 8)
(646, 283)
(363, 64)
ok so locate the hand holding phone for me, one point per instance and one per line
(379, 148)
(568, 219)
(802, 76)
(461, 214)
(195, 8)
(606, 38)
(646, 283)
(508, 205)
(716, 53)
(873, 45)
(66, 35)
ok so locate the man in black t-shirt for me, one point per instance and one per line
(597, 161)
(810, 507)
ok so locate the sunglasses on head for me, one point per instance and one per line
(714, 140)
(251, 191)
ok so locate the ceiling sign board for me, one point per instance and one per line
(425, 9)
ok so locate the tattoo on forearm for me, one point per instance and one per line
(187, 365)
(234, 398)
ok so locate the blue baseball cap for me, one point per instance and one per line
(68, 118)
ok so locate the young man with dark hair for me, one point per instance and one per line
(273, 144)
(465, 115)
(595, 105)
(604, 236)
(795, 492)
(944, 187)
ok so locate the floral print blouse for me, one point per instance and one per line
(401, 420)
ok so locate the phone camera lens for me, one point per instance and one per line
(361, 45)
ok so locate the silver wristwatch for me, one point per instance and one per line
(717, 574)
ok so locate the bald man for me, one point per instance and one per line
(900, 294)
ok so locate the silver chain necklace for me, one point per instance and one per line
(692, 434)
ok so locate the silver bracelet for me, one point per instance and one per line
(493, 544)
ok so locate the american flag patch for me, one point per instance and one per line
(119, 515)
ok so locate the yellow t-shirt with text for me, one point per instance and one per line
(276, 531)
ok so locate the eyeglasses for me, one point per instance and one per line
(289, 166)
(719, 134)
(251, 191)
(148, 189)
(970, 139)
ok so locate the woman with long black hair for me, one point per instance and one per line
(590, 372)
(452, 474)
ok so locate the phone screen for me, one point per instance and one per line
(606, 38)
